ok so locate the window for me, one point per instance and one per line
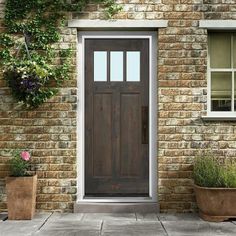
(100, 66)
(117, 59)
(117, 66)
(222, 73)
(133, 66)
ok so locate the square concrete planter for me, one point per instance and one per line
(216, 204)
(21, 197)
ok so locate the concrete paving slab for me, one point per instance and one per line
(67, 233)
(23, 227)
(47, 224)
(223, 228)
(69, 226)
(42, 216)
(198, 228)
(109, 216)
(179, 217)
(132, 228)
(66, 217)
(73, 225)
(146, 217)
(19, 228)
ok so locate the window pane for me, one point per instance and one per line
(133, 66)
(117, 66)
(221, 92)
(100, 66)
(220, 47)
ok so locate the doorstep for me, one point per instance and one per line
(103, 207)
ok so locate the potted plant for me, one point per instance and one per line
(215, 188)
(28, 75)
(21, 187)
(29, 82)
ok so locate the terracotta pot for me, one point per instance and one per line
(21, 197)
(216, 204)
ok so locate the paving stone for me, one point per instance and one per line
(179, 217)
(19, 228)
(147, 217)
(41, 216)
(73, 225)
(109, 216)
(23, 227)
(65, 217)
(223, 228)
(132, 228)
(67, 233)
(115, 225)
(199, 228)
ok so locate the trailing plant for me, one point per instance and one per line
(34, 65)
(210, 171)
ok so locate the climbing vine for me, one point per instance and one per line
(31, 45)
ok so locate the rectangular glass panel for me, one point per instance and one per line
(220, 50)
(221, 91)
(133, 66)
(100, 66)
(117, 66)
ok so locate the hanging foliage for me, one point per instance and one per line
(30, 46)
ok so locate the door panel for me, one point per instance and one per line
(130, 124)
(116, 154)
(102, 147)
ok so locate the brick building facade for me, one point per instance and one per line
(51, 130)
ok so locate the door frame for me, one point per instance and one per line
(152, 36)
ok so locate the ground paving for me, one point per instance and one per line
(105, 224)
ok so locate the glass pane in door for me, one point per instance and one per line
(100, 66)
(117, 66)
(133, 66)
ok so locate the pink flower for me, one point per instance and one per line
(25, 155)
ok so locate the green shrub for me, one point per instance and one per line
(210, 172)
(228, 175)
(206, 172)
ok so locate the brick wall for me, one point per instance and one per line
(182, 99)
(50, 131)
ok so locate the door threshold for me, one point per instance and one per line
(119, 199)
(115, 207)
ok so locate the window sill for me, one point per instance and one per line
(219, 118)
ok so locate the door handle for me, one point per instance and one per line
(145, 125)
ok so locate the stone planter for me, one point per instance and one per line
(21, 197)
(216, 204)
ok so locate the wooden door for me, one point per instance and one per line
(116, 117)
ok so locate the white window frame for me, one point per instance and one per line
(211, 113)
(221, 26)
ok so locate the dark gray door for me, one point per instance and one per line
(116, 117)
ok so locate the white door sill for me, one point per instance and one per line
(109, 207)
